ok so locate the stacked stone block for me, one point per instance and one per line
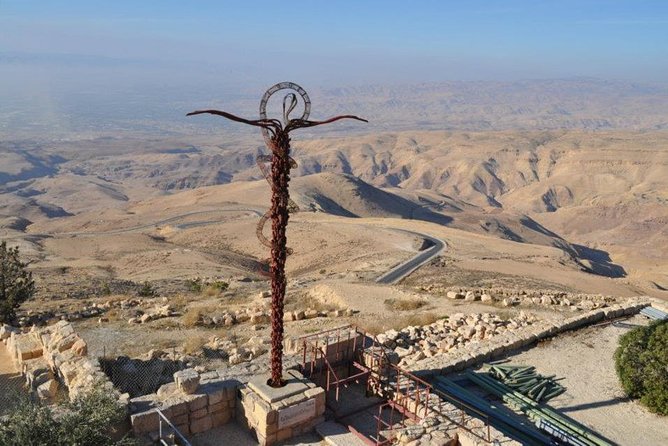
(193, 405)
(268, 421)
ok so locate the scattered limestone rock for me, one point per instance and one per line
(454, 295)
(6, 331)
(471, 296)
(47, 390)
(187, 381)
(459, 330)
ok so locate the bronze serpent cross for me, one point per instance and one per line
(277, 139)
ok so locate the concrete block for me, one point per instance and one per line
(284, 434)
(222, 405)
(177, 406)
(215, 395)
(187, 380)
(183, 428)
(80, 347)
(201, 424)
(199, 413)
(48, 389)
(196, 402)
(144, 422)
(180, 419)
(221, 417)
(167, 390)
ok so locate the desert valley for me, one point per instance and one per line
(145, 241)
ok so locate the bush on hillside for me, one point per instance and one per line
(87, 421)
(641, 361)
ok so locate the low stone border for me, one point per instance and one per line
(474, 354)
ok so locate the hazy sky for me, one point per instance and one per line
(339, 42)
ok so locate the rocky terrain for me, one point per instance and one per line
(598, 197)
(553, 213)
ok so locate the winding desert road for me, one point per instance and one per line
(392, 276)
(404, 269)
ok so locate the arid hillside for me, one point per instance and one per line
(600, 198)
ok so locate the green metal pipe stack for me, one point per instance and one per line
(525, 380)
(573, 432)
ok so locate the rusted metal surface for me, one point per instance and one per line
(277, 139)
(406, 396)
(261, 161)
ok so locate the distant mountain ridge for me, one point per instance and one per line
(578, 103)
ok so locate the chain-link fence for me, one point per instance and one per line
(13, 389)
(139, 377)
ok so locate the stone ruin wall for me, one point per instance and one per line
(193, 403)
(55, 358)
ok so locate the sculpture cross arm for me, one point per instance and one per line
(269, 124)
(303, 123)
(277, 139)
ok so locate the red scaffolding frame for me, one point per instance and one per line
(359, 355)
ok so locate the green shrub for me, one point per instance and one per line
(87, 421)
(16, 284)
(220, 285)
(194, 285)
(209, 288)
(641, 361)
(146, 290)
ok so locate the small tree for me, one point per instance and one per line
(16, 283)
(641, 361)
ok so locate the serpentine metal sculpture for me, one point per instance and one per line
(277, 139)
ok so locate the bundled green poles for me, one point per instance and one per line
(569, 430)
(528, 382)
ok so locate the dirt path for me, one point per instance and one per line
(594, 397)
(11, 382)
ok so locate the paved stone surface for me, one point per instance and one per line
(336, 434)
(296, 384)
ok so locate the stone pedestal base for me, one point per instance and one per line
(278, 414)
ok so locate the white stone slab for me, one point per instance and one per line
(296, 414)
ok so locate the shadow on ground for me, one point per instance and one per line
(599, 262)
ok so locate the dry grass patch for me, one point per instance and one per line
(211, 291)
(303, 300)
(422, 319)
(179, 302)
(194, 345)
(192, 317)
(404, 304)
(113, 315)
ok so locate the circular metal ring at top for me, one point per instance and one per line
(289, 103)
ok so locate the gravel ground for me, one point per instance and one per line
(233, 434)
(595, 398)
